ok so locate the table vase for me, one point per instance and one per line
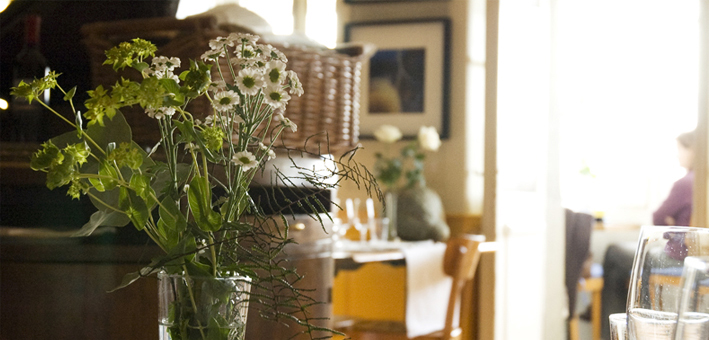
(201, 308)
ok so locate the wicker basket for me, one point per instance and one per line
(326, 114)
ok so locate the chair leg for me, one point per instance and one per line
(574, 328)
(597, 315)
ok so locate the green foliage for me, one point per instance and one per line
(410, 164)
(198, 177)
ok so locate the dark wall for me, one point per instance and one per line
(24, 200)
(60, 34)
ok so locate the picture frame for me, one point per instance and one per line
(407, 79)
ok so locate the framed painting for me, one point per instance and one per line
(408, 82)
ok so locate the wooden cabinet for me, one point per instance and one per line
(59, 290)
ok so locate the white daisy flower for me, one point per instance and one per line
(210, 120)
(246, 159)
(275, 71)
(162, 67)
(240, 38)
(218, 85)
(225, 100)
(212, 55)
(250, 81)
(219, 43)
(165, 63)
(276, 96)
(246, 52)
(270, 154)
(160, 112)
(295, 86)
(287, 123)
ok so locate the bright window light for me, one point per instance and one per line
(278, 13)
(627, 85)
(322, 22)
(187, 8)
(321, 15)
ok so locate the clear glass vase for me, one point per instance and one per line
(201, 308)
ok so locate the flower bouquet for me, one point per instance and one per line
(410, 161)
(415, 210)
(190, 193)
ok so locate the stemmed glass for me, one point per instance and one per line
(693, 309)
(654, 290)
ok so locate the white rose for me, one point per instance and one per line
(429, 138)
(388, 134)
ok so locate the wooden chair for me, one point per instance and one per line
(594, 286)
(460, 262)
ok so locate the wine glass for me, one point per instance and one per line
(654, 290)
(693, 309)
(617, 323)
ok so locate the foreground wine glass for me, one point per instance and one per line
(654, 289)
(693, 309)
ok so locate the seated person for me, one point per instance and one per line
(676, 209)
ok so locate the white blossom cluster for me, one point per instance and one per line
(257, 73)
(162, 67)
(261, 68)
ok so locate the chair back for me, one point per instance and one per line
(460, 262)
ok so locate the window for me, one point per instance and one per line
(321, 16)
(627, 85)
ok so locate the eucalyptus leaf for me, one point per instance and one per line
(199, 197)
(198, 269)
(140, 66)
(172, 223)
(105, 184)
(141, 185)
(134, 207)
(102, 219)
(129, 278)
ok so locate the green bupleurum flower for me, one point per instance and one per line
(214, 137)
(126, 155)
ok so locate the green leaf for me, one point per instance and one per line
(187, 130)
(105, 184)
(199, 198)
(141, 66)
(198, 269)
(70, 94)
(183, 252)
(141, 185)
(133, 277)
(134, 207)
(102, 219)
(172, 223)
(115, 130)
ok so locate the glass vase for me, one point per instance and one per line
(201, 308)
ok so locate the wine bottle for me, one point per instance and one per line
(28, 125)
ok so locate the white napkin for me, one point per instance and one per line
(428, 288)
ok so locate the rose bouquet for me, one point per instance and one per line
(190, 193)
